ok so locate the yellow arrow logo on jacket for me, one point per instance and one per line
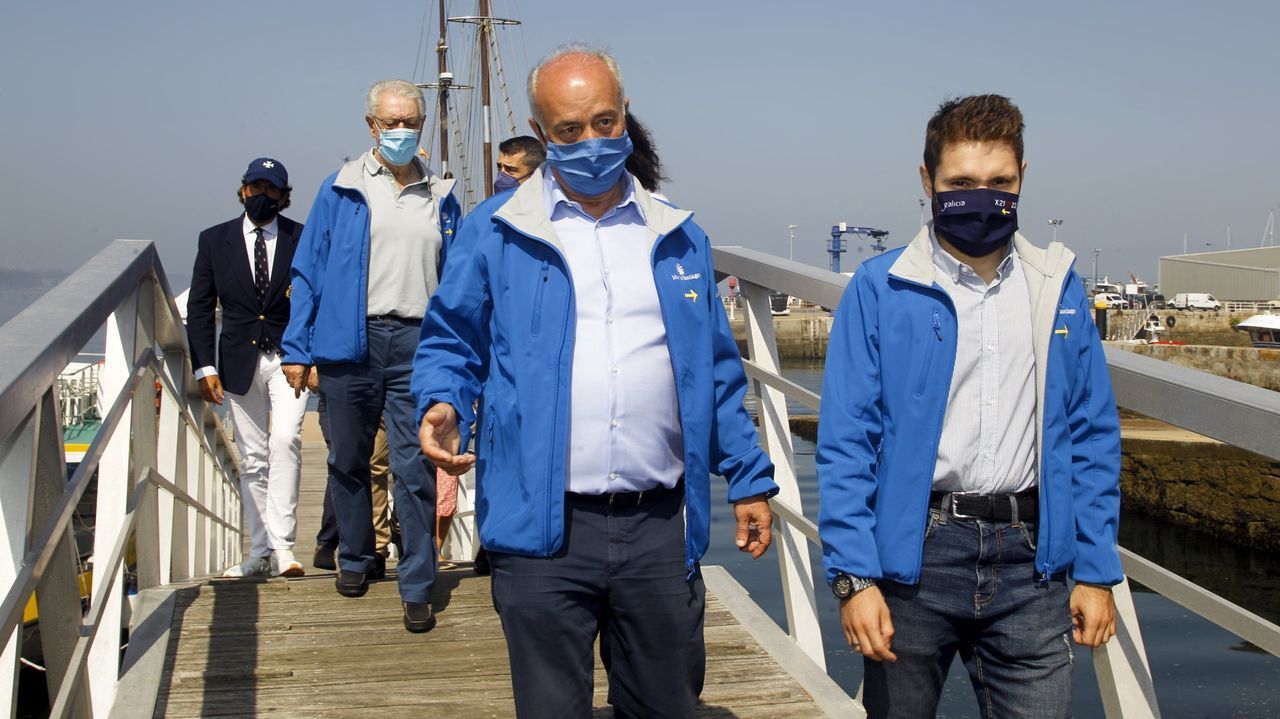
(693, 296)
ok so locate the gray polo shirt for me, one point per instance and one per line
(404, 241)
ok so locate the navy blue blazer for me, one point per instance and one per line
(223, 274)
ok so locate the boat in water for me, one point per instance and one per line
(1264, 330)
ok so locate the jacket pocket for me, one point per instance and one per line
(929, 348)
(536, 323)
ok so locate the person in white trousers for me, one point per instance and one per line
(243, 266)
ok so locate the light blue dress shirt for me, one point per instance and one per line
(988, 442)
(624, 419)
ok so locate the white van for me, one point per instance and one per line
(1195, 301)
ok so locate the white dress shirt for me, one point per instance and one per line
(269, 234)
(988, 432)
(624, 420)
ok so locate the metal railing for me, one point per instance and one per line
(1230, 411)
(157, 434)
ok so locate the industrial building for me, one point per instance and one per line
(1230, 275)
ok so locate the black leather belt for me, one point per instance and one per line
(626, 500)
(1023, 506)
(396, 319)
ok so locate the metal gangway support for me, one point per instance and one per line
(1232, 412)
(165, 474)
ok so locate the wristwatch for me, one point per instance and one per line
(845, 586)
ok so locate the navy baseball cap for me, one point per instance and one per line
(265, 168)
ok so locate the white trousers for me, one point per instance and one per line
(268, 422)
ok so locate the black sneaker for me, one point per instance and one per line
(418, 617)
(324, 558)
(351, 584)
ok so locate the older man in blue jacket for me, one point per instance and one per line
(371, 255)
(968, 445)
(584, 316)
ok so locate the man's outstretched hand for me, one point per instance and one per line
(440, 440)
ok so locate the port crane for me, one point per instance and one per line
(836, 246)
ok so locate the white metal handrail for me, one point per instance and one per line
(1233, 412)
(166, 478)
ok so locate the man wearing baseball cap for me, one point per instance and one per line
(243, 266)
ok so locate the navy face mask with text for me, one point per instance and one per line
(977, 222)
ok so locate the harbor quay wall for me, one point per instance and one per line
(1256, 366)
(801, 335)
(1206, 486)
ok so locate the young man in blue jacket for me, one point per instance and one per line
(968, 445)
(371, 255)
(583, 314)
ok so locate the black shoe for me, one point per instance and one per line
(418, 617)
(324, 558)
(378, 571)
(351, 584)
(481, 565)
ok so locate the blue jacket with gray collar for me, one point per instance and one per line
(889, 367)
(501, 329)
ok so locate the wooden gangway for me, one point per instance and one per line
(295, 648)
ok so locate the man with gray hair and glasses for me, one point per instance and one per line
(362, 275)
(584, 316)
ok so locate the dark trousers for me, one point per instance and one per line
(328, 534)
(977, 597)
(619, 575)
(356, 395)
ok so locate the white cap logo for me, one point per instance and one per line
(268, 164)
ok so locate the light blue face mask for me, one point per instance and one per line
(590, 167)
(398, 146)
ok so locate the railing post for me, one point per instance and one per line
(195, 526)
(17, 459)
(171, 462)
(1124, 675)
(145, 409)
(113, 491)
(775, 429)
(59, 587)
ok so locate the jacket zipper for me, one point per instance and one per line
(928, 355)
(1046, 516)
(537, 300)
(675, 375)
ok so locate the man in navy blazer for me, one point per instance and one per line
(243, 265)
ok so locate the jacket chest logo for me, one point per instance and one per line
(680, 275)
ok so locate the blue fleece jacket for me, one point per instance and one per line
(330, 273)
(501, 329)
(889, 367)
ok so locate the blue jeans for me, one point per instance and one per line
(356, 395)
(977, 596)
(620, 574)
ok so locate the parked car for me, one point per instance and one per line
(1113, 300)
(1195, 301)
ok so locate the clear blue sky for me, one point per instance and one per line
(1144, 120)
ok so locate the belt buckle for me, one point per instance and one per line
(954, 509)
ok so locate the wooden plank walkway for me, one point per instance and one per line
(295, 648)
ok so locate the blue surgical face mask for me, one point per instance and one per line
(398, 146)
(976, 222)
(590, 167)
(505, 182)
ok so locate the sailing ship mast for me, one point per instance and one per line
(487, 61)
